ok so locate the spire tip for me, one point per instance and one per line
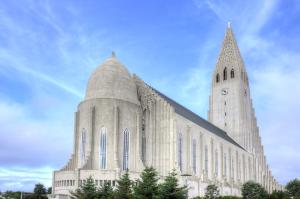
(228, 24)
(113, 54)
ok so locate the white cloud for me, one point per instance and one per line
(23, 138)
(24, 178)
(274, 77)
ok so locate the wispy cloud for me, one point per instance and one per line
(48, 49)
(273, 77)
(24, 179)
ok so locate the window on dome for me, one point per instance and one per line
(125, 149)
(103, 133)
(83, 147)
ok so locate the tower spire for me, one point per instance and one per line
(230, 55)
(113, 54)
(228, 24)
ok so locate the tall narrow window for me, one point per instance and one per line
(232, 167)
(225, 74)
(144, 137)
(125, 149)
(180, 141)
(239, 170)
(232, 73)
(194, 155)
(217, 77)
(216, 163)
(225, 165)
(103, 148)
(206, 159)
(229, 161)
(83, 146)
(250, 170)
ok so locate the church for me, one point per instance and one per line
(125, 124)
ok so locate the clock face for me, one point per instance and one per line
(224, 91)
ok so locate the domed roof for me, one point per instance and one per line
(111, 79)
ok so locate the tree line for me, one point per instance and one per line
(39, 192)
(149, 187)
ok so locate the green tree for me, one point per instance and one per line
(87, 190)
(105, 192)
(49, 190)
(278, 195)
(124, 188)
(147, 187)
(39, 192)
(170, 188)
(11, 194)
(253, 190)
(293, 188)
(212, 192)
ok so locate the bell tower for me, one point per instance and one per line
(230, 105)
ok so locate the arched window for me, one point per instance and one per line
(216, 162)
(225, 165)
(232, 168)
(180, 141)
(125, 149)
(144, 137)
(217, 77)
(250, 170)
(194, 155)
(206, 159)
(103, 148)
(232, 73)
(83, 146)
(239, 170)
(225, 74)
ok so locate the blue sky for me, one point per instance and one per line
(48, 49)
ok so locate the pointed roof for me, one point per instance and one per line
(230, 55)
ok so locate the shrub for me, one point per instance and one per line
(293, 188)
(253, 190)
(212, 192)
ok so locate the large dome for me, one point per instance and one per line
(111, 79)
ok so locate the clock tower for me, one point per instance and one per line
(230, 105)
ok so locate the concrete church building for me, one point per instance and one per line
(125, 124)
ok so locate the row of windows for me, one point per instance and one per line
(66, 183)
(225, 75)
(216, 160)
(103, 148)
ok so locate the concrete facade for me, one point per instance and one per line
(123, 123)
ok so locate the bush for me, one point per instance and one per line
(212, 192)
(293, 188)
(278, 195)
(253, 190)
